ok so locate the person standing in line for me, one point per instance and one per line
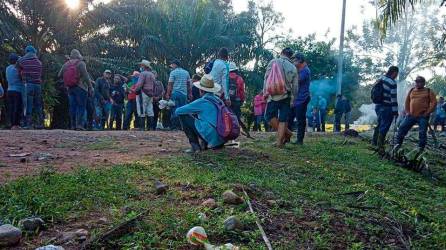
(130, 108)
(220, 74)
(77, 80)
(236, 90)
(178, 89)
(157, 97)
(347, 112)
(30, 70)
(279, 105)
(420, 104)
(146, 87)
(339, 110)
(14, 94)
(303, 97)
(103, 89)
(386, 108)
(117, 96)
(259, 111)
(322, 103)
(440, 115)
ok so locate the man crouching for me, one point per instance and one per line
(199, 118)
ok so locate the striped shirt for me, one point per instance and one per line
(390, 93)
(180, 78)
(30, 68)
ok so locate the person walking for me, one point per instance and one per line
(236, 90)
(157, 97)
(303, 97)
(30, 70)
(220, 74)
(102, 87)
(178, 89)
(385, 98)
(130, 107)
(338, 111)
(77, 80)
(419, 105)
(440, 115)
(282, 73)
(259, 112)
(146, 86)
(199, 118)
(14, 94)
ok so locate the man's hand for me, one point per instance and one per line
(228, 103)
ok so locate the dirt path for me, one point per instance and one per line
(26, 152)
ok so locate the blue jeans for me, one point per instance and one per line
(77, 99)
(130, 111)
(180, 100)
(34, 104)
(385, 118)
(103, 111)
(301, 111)
(408, 123)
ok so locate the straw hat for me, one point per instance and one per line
(232, 67)
(207, 84)
(145, 63)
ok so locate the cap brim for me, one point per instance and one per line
(215, 89)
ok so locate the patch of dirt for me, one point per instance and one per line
(65, 150)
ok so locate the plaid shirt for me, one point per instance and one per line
(30, 68)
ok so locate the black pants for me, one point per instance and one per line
(156, 114)
(188, 125)
(91, 112)
(291, 123)
(15, 107)
(301, 111)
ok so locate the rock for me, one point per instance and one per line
(9, 235)
(269, 195)
(230, 197)
(45, 156)
(271, 203)
(32, 224)
(209, 203)
(23, 160)
(50, 247)
(103, 220)
(232, 223)
(78, 235)
(202, 217)
(160, 187)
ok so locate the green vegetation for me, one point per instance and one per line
(328, 194)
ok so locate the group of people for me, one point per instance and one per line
(419, 105)
(195, 104)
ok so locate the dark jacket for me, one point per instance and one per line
(103, 88)
(117, 94)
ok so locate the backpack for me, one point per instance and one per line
(227, 127)
(233, 93)
(275, 83)
(377, 93)
(208, 66)
(71, 75)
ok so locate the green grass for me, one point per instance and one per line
(396, 207)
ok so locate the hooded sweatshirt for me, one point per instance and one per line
(84, 80)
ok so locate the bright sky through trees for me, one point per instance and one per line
(72, 4)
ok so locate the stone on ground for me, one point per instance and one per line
(231, 198)
(9, 235)
(232, 223)
(209, 203)
(78, 235)
(50, 247)
(160, 187)
(32, 224)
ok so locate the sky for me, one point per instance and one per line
(317, 16)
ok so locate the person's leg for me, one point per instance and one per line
(150, 113)
(156, 112)
(284, 112)
(404, 128)
(423, 124)
(127, 115)
(29, 106)
(119, 108)
(72, 107)
(81, 105)
(347, 120)
(90, 112)
(337, 123)
(376, 129)
(292, 116)
(257, 121)
(188, 126)
(301, 111)
(38, 106)
(112, 117)
(323, 113)
(386, 121)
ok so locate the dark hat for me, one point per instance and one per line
(299, 57)
(13, 57)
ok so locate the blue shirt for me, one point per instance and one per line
(440, 110)
(220, 74)
(13, 78)
(179, 77)
(304, 86)
(206, 122)
(322, 103)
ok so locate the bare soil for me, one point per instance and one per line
(26, 152)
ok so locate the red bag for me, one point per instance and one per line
(71, 75)
(275, 83)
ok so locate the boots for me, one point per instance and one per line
(381, 144)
